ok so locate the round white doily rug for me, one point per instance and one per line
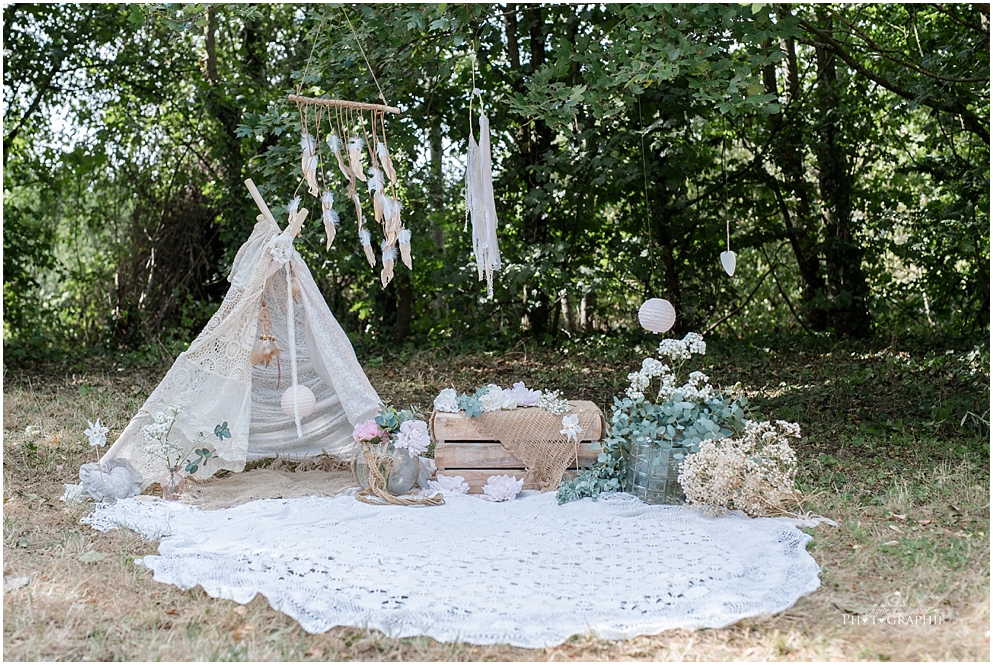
(528, 572)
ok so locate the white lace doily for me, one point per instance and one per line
(528, 572)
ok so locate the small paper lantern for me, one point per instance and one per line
(657, 315)
(728, 260)
(302, 397)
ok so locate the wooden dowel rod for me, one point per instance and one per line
(259, 201)
(342, 103)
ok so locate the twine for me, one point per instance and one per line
(377, 494)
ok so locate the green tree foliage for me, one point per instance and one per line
(845, 148)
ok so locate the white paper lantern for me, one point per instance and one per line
(728, 260)
(304, 399)
(657, 315)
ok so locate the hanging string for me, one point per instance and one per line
(648, 208)
(362, 51)
(727, 220)
(306, 67)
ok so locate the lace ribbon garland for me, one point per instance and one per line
(528, 572)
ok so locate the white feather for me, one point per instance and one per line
(365, 238)
(355, 143)
(404, 236)
(334, 143)
(294, 204)
(331, 217)
(327, 199)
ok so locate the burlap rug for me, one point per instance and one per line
(269, 483)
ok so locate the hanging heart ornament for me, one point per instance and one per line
(728, 260)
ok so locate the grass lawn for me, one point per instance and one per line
(896, 450)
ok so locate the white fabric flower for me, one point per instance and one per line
(449, 485)
(414, 437)
(502, 488)
(571, 428)
(281, 247)
(523, 395)
(447, 401)
(509, 403)
(97, 433)
(492, 400)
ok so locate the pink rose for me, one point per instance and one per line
(368, 431)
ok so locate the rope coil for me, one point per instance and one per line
(381, 464)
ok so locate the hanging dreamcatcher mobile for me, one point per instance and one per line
(349, 136)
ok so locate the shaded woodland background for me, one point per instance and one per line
(847, 145)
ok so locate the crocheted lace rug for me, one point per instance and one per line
(527, 572)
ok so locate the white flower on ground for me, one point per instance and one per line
(502, 488)
(522, 394)
(97, 433)
(449, 485)
(414, 437)
(492, 400)
(447, 401)
(571, 428)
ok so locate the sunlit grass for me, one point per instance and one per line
(909, 487)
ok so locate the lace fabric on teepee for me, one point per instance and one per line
(213, 381)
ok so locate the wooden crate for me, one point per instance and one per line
(461, 450)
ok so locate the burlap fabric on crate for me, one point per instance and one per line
(534, 436)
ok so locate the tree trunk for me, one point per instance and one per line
(846, 280)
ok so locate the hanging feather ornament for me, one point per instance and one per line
(391, 219)
(330, 217)
(308, 164)
(405, 248)
(355, 157)
(480, 203)
(265, 350)
(366, 239)
(335, 144)
(384, 159)
(389, 258)
(376, 188)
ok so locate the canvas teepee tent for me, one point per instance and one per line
(214, 381)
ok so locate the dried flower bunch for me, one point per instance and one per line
(754, 473)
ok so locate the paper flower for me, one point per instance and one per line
(449, 485)
(492, 400)
(522, 394)
(369, 431)
(414, 437)
(97, 433)
(571, 428)
(502, 488)
(447, 401)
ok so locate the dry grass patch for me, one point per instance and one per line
(911, 520)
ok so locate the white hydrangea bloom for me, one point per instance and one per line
(447, 401)
(674, 349)
(413, 436)
(492, 400)
(502, 488)
(695, 344)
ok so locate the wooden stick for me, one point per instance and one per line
(260, 202)
(342, 103)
